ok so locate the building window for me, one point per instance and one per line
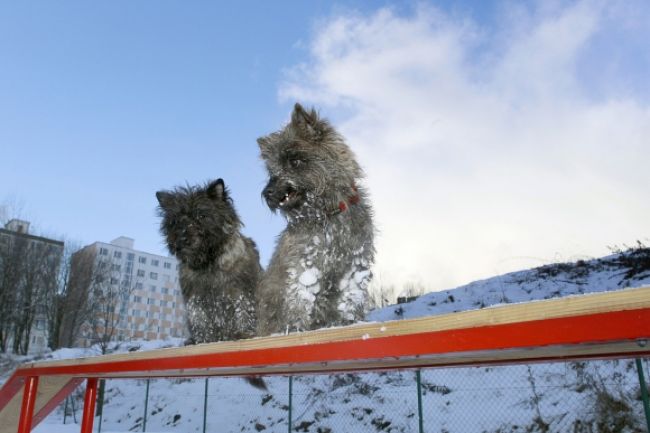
(130, 256)
(138, 286)
(142, 260)
(114, 281)
(103, 252)
(153, 275)
(150, 301)
(164, 290)
(152, 288)
(163, 303)
(167, 265)
(154, 262)
(117, 254)
(177, 292)
(137, 299)
(140, 272)
(115, 267)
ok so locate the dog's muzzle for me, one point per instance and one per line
(280, 195)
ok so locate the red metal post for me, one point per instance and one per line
(89, 406)
(27, 409)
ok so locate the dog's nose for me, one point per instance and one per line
(269, 192)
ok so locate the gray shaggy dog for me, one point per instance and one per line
(320, 270)
(219, 267)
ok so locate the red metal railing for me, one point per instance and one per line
(600, 335)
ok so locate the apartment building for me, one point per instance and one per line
(148, 302)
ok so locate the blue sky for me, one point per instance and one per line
(494, 138)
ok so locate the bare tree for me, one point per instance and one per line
(381, 296)
(28, 267)
(58, 298)
(41, 264)
(98, 294)
(75, 300)
(109, 297)
(412, 290)
(11, 269)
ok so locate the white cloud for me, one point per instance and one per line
(484, 149)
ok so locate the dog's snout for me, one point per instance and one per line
(270, 191)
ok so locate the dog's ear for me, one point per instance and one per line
(264, 143)
(164, 199)
(217, 190)
(307, 122)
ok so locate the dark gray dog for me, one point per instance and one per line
(219, 269)
(320, 270)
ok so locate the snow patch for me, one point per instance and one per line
(309, 277)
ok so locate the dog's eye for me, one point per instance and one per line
(295, 163)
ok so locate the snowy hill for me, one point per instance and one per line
(576, 397)
(630, 268)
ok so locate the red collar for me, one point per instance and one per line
(345, 204)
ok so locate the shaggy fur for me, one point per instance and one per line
(320, 270)
(219, 267)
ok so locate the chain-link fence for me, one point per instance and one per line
(572, 397)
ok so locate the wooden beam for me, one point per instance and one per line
(56, 398)
(544, 328)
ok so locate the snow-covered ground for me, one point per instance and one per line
(561, 396)
(614, 272)
(576, 397)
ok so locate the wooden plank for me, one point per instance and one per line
(618, 350)
(527, 320)
(10, 388)
(48, 387)
(56, 399)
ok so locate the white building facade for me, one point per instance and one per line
(150, 305)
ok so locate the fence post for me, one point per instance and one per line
(418, 378)
(290, 401)
(205, 405)
(146, 407)
(74, 410)
(644, 392)
(65, 410)
(100, 404)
